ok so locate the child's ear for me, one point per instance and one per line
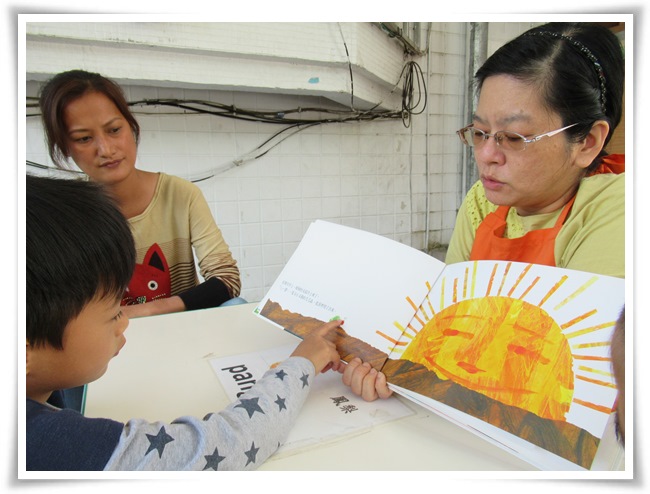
(28, 352)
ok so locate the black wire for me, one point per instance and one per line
(286, 137)
(275, 117)
(37, 165)
(347, 54)
(413, 76)
(410, 72)
(414, 94)
(408, 47)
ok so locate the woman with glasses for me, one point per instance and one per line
(548, 192)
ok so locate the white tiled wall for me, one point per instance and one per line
(370, 175)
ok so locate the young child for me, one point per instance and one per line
(80, 257)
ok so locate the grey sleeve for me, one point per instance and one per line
(240, 437)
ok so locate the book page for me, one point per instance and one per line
(514, 344)
(373, 283)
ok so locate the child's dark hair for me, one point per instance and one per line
(578, 68)
(79, 247)
(62, 90)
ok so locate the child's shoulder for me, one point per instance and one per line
(61, 439)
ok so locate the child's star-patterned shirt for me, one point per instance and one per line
(240, 437)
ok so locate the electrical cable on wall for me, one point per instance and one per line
(347, 54)
(395, 32)
(414, 100)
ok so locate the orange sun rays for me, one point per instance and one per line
(464, 288)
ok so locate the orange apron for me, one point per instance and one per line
(537, 246)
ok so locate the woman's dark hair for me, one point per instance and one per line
(63, 89)
(78, 247)
(578, 67)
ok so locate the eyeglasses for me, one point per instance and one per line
(505, 139)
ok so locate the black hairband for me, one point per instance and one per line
(587, 53)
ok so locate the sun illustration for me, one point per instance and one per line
(507, 339)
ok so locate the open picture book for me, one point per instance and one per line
(517, 353)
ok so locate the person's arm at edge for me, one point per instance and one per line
(211, 293)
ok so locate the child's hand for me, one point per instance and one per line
(319, 348)
(365, 381)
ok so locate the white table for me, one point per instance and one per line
(163, 373)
